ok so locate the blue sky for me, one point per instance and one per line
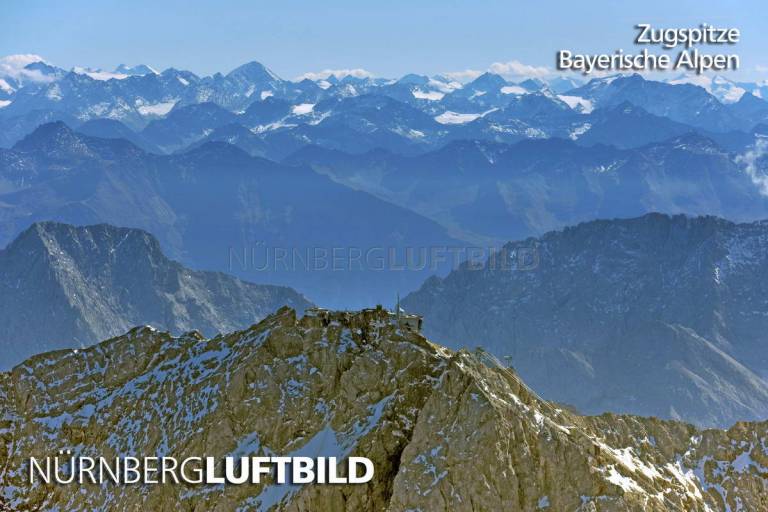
(389, 38)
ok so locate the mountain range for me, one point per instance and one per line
(496, 191)
(69, 287)
(218, 208)
(657, 315)
(352, 384)
(173, 110)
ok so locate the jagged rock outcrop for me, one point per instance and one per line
(658, 315)
(445, 430)
(63, 286)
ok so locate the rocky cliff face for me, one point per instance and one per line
(445, 430)
(68, 287)
(658, 315)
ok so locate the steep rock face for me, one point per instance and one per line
(658, 315)
(63, 286)
(444, 430)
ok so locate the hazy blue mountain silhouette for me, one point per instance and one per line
(218, 208)
(657, 315)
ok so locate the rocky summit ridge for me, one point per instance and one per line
(446, 430)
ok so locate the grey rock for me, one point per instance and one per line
(658, 315)
(68, 287)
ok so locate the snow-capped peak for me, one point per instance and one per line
(23, 68)
(138, 70)
(98, 74)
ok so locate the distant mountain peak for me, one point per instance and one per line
(413, 79)
(56, 141)
(219, 151)
(43, 66)
(636, 77)
(55, 138)
(254, 71)
(138, 70)
(533, 84)
(751, 100)
(487, 79)
(695, 142)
